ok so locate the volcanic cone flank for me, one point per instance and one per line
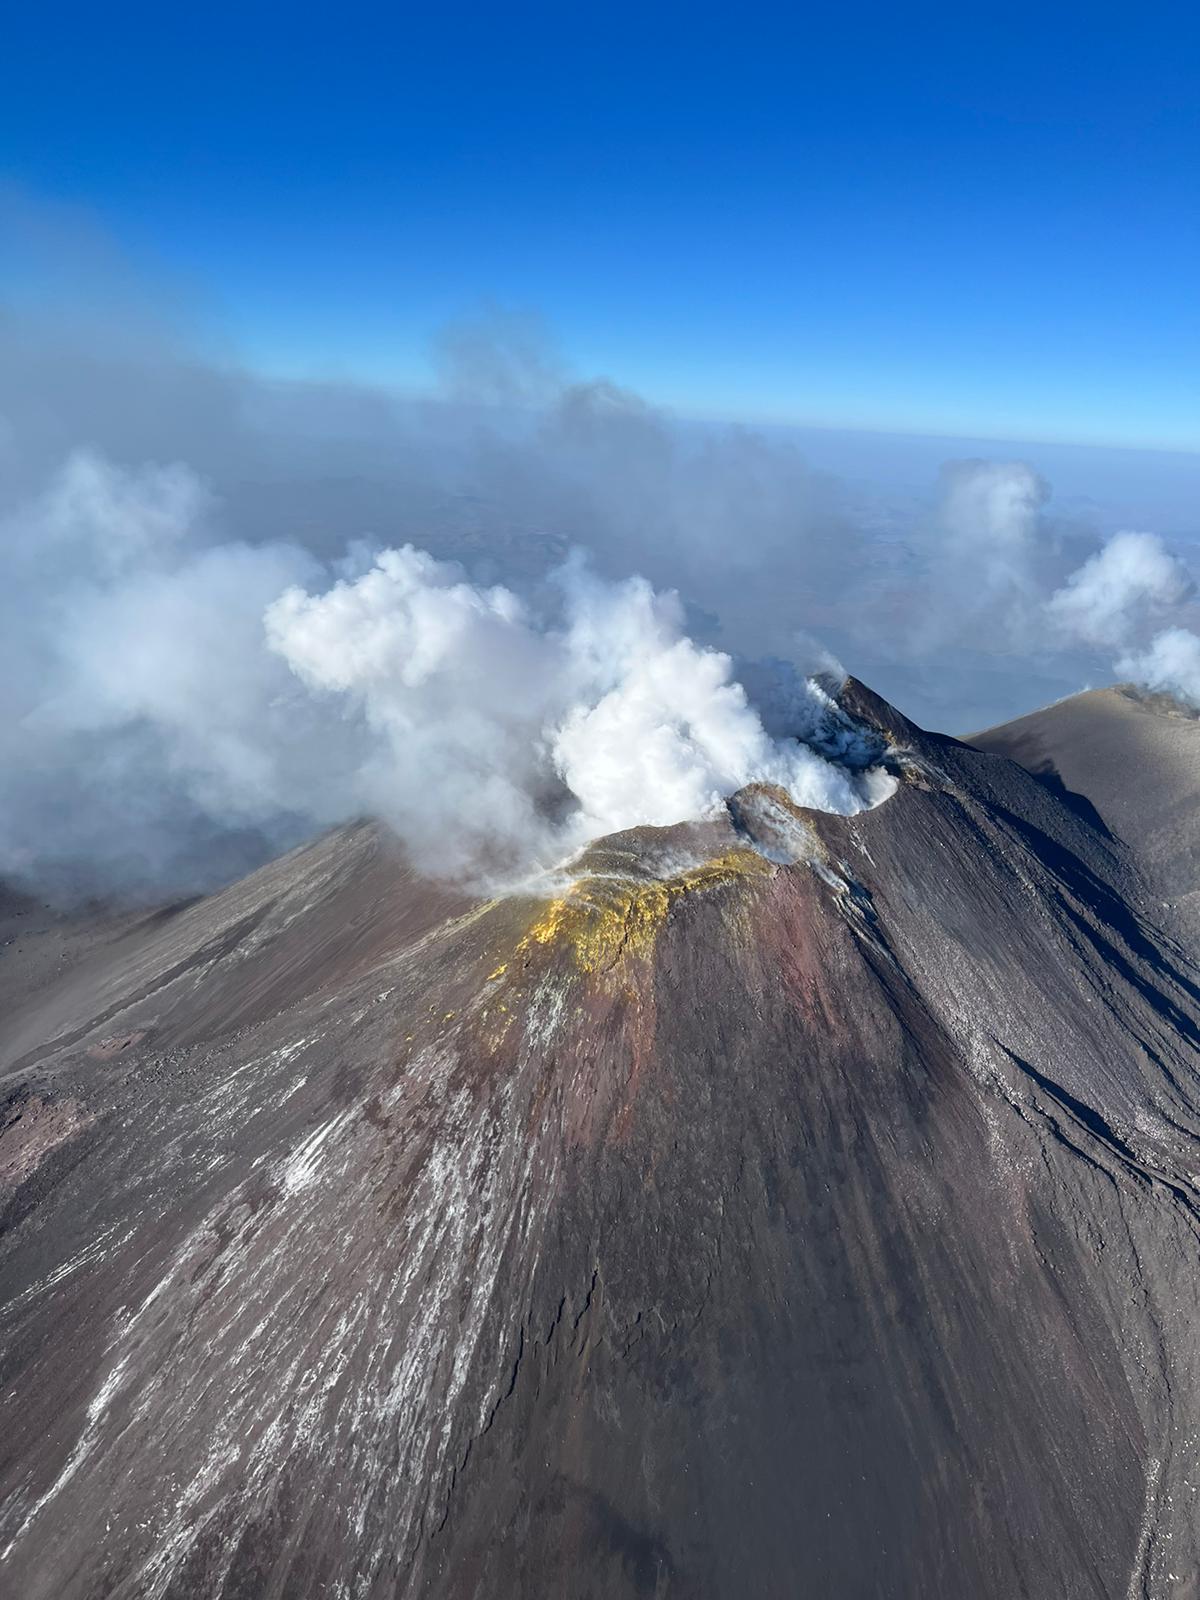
(785, 1203)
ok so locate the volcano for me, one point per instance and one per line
(1135, 757)
(782, 1204)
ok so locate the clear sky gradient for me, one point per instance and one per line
(956, 219)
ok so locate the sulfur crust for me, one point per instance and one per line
(605, 920)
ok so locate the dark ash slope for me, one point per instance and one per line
(721, 1228)
(1135, 757)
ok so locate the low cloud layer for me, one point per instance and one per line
(233, 610)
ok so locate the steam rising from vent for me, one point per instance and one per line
(179, 707)
(990, 513)
(1170, 664)
(500, 736)
(1108, 600)
(1132, 574)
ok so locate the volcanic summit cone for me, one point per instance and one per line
(786, 1204)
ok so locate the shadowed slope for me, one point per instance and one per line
(790, 1204)
(1136, 758)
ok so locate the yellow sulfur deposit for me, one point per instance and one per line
(607, 918)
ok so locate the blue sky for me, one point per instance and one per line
(963, 220)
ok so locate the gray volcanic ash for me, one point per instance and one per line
(1135, 757)
(792, 1202)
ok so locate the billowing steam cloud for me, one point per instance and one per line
(1133, 574)
(194, 673)
(1169, 664)
(178, 704)
(147, 738)
(1109, 599)
(496, 731)
(239, 684)
(990, 513)
(988, 576)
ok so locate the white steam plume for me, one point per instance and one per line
(150, 740)
(1107, 601)
(501, 737)
(1169, 664)
(1102, 601)
(978, 558)
(990, 515)
(161, 687)
(990, 508)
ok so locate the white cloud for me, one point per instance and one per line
(990, 515)
(503, 737)
(1170, 663)
(1102, 602)
(161, 689)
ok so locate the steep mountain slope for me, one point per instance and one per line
(1136, 758)
(789, 1204)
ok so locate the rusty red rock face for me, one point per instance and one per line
(30, 1128)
